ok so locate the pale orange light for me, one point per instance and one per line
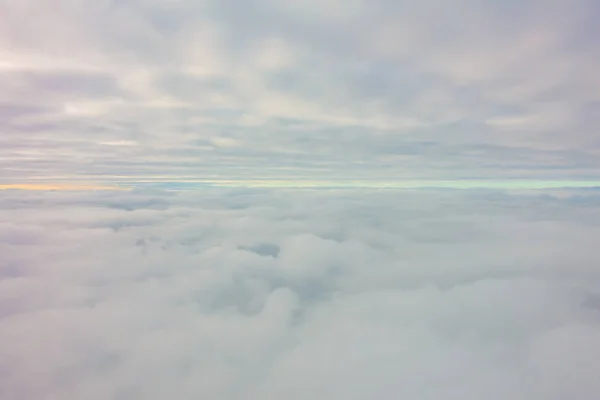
(56, 186)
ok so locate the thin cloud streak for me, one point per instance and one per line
(190, 184)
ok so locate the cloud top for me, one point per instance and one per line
(253, 294)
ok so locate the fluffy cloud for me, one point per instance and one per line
(253, 294)
(303, 88)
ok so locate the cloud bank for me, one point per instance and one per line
(270, 294)
(236, 89)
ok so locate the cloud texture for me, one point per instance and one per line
(256, 294)
(234, 89)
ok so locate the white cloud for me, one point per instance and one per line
(253, 294)
(225, 142)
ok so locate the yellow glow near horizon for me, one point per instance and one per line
(294, 183)
(57, 186)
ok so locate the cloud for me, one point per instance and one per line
(253, 294)
(299, 84)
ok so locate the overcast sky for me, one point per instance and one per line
(299, 89)
(255, 254)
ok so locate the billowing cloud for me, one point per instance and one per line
(254, 294)
(355, 89)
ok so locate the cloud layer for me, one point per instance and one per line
(259, 294)
(237, 89)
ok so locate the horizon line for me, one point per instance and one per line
(299, 184)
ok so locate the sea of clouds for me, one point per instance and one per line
(284, 294)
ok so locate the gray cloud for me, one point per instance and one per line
(253, 294)
(330, 84)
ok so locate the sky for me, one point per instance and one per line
(253, 294)
(128, 92)
(299, 199)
